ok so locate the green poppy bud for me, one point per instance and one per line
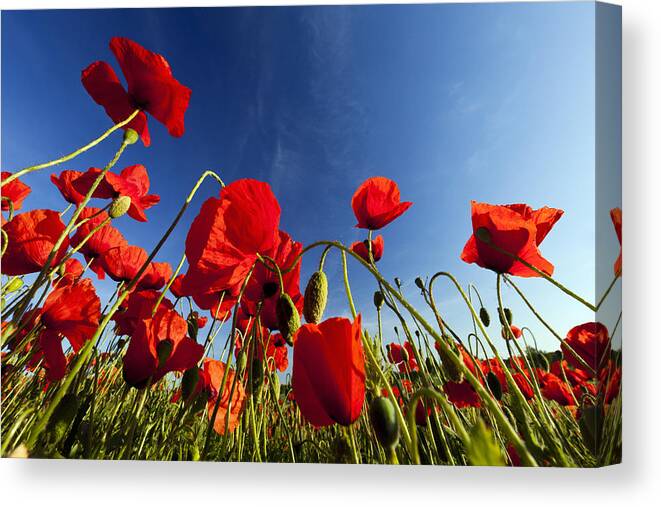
(484, 317)
(130, 136)
(163, 351)
(398, 282)
(288, 319)
(257, 374)
(483, 235)
(384, 422)
(242, 361)
(420, 283)
(275, 383)
(378, 299)
(494, 385)
(508, 316)
(119, 206)
(429, 363)
(14, 285)
(189, 382)
(316, 295)
(453, 372)
(192, 326)
(62, 417)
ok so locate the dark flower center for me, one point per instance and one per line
(270, 288)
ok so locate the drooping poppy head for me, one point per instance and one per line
(151, 88)
(215, 372)
(514, 228)
(133, 182)
(105, 238)
(228, 233)
(376, 203)
(462, 394)
(123, 263)
(591, 342)
(16, 191)
(329, 371)
(616, 217)
(264, 286)
(64, 183)
(159, 345)
(32, 236)
(73, 311)
(361, 248)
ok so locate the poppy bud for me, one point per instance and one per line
(242, 361)
(163, 351)
(483, 235)
(257, 375)
(130, 136)
(275, 383)
(454, 373)
(288, 319)
(62, 417)
(429, 363)
(404, 354)
(119, 206)
(494, 385)
(420, 283)
(484, 317)
(378, 299)
(189, 382)
(316, 294)
(192, 326)
(508, 316)
(14, 285)
(384, 422)
(398, 282)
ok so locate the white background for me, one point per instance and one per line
(636, 482)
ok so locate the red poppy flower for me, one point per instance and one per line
(376, 203)
(32, 236)
(361, 248)
(215, 371)
(123, 263)
(69, 273)
(515, 228)
(402, 357)
(64, 183)
(329, 371)
(159, 345)
(516, 332)
(50, 350)
(610, 384)
(201, 321)
(575, 376)
(556, 390)
(134, 308)
(100, 242)
(83, 184)
(176, 287)
(590, 341)
(15, 190)
(156, 276)
(264, 285)
(151, 88)
(133, 182)
(228, 233)
(73, 311)
(616, 217)
(461, 394)
(524, 384)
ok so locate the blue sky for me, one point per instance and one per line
(454, 102)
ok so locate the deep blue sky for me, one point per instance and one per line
(454, 102)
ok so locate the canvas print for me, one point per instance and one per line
(385, 234)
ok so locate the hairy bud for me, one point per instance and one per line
(130, 136)
(316, 295)
(288, 319)
(119, 206)
(484, 317)
(384, 422)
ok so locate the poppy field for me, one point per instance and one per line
(231, 356)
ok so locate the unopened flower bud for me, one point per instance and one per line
(130, 136)
(494, 385)
(242, 361)
(420, 283)
(453, 372)
(384, 422)
(484, 317)
(275, 383)
(163, 351)
(509, 318)
(193, 326)
(378, 299)
(14, 285)
(483, 235)
(189, 383)
(398, 282)
(62, 417)
(316, 295)
(288, 318)
(119, 206)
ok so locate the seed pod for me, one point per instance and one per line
(316, 295)
(378, 299)
(189, 382)
(288, 319)
(119, 206)
(509, 318)
(163, 351)
(453, 372)
(420, 283)
(130, 136)
(14, 285)
(62, 417)
(484, 317)
(494, 385)
(384, 422)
